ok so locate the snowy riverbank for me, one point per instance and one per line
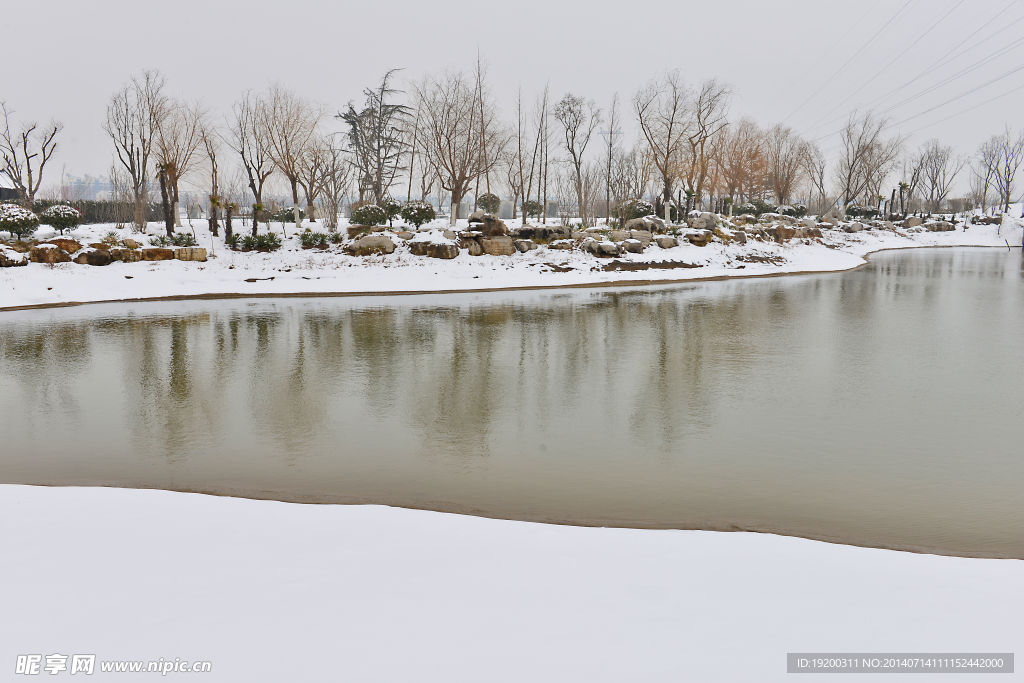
(293, 270)
(270, 591)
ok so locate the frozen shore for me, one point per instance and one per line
(271, 591)
(293, 270)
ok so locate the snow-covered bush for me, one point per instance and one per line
(418, 213)
(61, 217)
(287, 215)
(268, 242)
(369, 214)
(17, 220)
(392, 207)
(491, 203)
(795, 210)
(313, 239)
(761, 206)
(858, 211)
(180, 239)
(633, 208)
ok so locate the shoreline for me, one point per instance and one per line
(207, 296)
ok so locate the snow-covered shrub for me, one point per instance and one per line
(335, 238)
(795, 210)
(761, 206)
(633, 208)
(268, 242)
(418, 213)
(392, 207)
(858, 211)
(369, 214)
(313, 239)
(745, 207)
(287, 215)
(491, 203)
(17, 220)
(180, 239)
(61, 217)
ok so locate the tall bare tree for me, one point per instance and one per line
(579, 119)
(24, 154)
(248, 137)
(785, 157)
(940, 168)
(336, 178)
(211, 146)
(452, 134)
(312, 172)
(663, 110)
(816, 166)
(985, 161)
(133, 119)
(709, 112)
(290, 122)
(866, 157)
(1010, 155)
(178, 139)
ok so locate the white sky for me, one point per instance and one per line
(783, 58)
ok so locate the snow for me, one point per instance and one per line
(293, 270)
(271, 591)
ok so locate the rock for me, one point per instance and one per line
(190, 254)
(355, 230)
(449, 235)
(746, 219)
(371, 244)
(619, 235)
(547, 234)
(601, 249)
(784, 233)
(474, 248)
(806, 233)
(491, 226)
(378, 228)
(667, 242)
(633, 246)
(11, 259)
(523, 246)
(66, 243)
(912, 222)
(157, 254)
(697, 223)
(808, 222)
(477, 216)
(562, 244)
(739, 236)
(48, 253)
(441, 250)
(405, 235)
(710, 219)
(497, 246)
(576, 235)
(126, 255)
(855, 226)
(98, 245)
(130, 244)
(939, 226)
(645, 236)
(93, 257)
(699, 238)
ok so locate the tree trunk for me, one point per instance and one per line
(295, 206)
(168, 220)
(213, 218)
(311, 212)
(227, 220)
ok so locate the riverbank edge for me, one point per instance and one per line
(480, 290)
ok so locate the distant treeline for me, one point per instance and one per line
(104, 211)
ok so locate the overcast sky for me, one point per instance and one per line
(805, 62)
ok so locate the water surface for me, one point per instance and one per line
(882, 406)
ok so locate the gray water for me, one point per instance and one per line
(882, 406)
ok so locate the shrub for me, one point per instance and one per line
(287, 215)
(745, 207)
(858, 211)
(233, 240)
(369, 214)
(491, 203)
(180, 239)
(61, 217)
(532, 208)
(313, 239)
(17, 220)
(391, 207)
(335, 238)
(796, 210)
(633, 208)
(267, 242)
(761, 206)
(418, 213)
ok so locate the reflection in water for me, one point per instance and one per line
(876, 407)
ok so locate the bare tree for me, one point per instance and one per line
(25, 154)
(742, 161)
(133, 119)
(211, 146)
(1010, 155)
(865, 156)
(290, 122)
(816, 167)
(452, 134)
(785, 157)
(579, 118)
(939, 169)
(708, 119)
(248, 137)
(663, 110)
(336, 178)
(178, 139)
(377, 138)
(986, 160)
(312, 170)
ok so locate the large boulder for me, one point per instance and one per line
(782, 233)
(806, 233)
(645, 236)
(855, 226)
(356, 230)
(667, 242)
(739, 236)
(371, 244)
(157, 254)
(939, 226)
(633, 246)
(126, 255)
(10, 258)
(808, 222)
(650, 223)
(66, 243)
(492, 226)
(523, 246)
(441, 250)
(477, 216)
(912, 222)
(699, 238)
(602, 249)
(197, 253)
(48, 253)
(619, 235)
(497, 246)
(545, 233)
(93, 257)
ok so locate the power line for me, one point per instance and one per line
(961, 95)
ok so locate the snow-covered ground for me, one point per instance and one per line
(270, 591)
(295, 270)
